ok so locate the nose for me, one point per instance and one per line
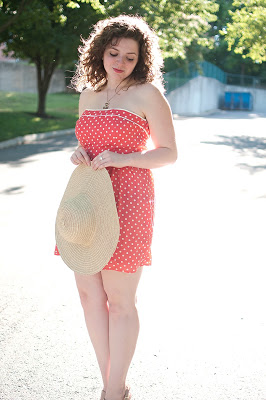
(120, 60)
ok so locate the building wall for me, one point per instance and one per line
(202, 94)
(22, 77)
(197, 96)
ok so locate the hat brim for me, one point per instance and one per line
(98, 187)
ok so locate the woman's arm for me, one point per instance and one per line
(159, 117)
(158, 114)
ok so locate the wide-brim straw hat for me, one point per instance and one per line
(87, 225)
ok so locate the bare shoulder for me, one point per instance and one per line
(87, 92)
(86, 99)
(153, 101)
(150, 90)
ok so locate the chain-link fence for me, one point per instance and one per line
(246, 80)
(179, 77)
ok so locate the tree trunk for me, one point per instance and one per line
(41, 110)
(44, 75)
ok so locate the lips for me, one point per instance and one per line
(118, 71)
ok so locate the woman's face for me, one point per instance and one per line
(120, 58)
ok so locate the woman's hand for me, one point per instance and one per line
(108, 159)
(80, 157)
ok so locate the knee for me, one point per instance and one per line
(120, 307)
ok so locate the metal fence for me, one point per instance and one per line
(179, 77)
(246, 80)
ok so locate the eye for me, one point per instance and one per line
(130, 59)
(113, 55)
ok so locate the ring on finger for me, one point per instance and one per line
(101, 158)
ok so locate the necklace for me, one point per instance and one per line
(107, 103)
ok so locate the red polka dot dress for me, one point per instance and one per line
(124, 132)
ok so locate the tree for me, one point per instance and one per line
(47, 34)
(246, 34)
(5, 18)
(177, 22)
(227, 60)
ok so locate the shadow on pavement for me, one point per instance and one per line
(245, 146)
(15, 156)
(13, 190)
(252, 168)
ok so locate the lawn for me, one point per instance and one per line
(17, 113)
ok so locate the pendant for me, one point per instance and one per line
(106, 106)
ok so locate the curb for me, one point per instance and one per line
(34, 137)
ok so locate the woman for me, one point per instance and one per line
(121, 107)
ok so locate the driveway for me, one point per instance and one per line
(201, 304)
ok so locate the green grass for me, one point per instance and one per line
(17, 113)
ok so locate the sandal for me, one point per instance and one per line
(103, 395)
(127, 395)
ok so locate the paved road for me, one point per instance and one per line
(202, 303)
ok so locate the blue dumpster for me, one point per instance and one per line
(238, 101)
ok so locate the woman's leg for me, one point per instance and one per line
(94, 302)
(123, 327)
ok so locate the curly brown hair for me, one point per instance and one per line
(90, 70)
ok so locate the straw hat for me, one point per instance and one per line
(87, 225)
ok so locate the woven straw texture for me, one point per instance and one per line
(87, 224)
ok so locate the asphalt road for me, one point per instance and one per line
(201, 304)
